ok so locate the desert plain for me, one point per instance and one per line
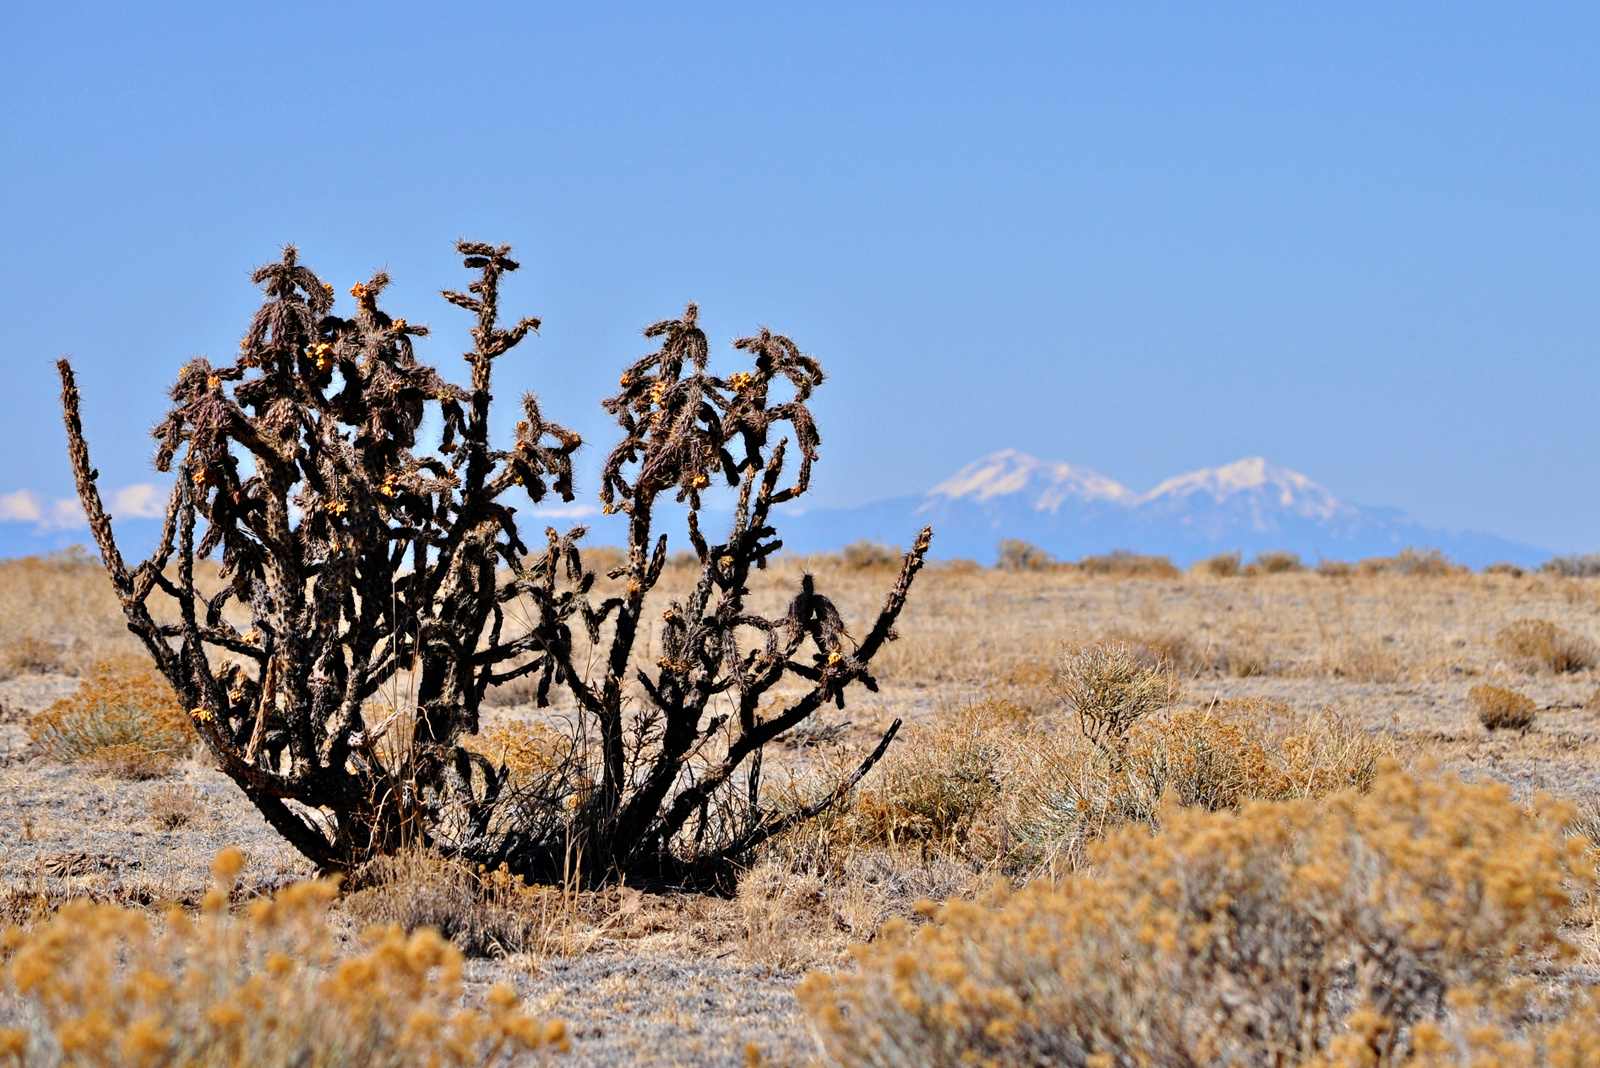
(1387, 657)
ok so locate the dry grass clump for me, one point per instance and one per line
(1585, 565)
(122, 720)
(1350, 931)
(996, 789)
(1500, 709)
(1330, 568)
(1156, 646)
(939, 786)
(1124, 564)
(1229, 753)
(1532, 644)
(1361, 659)
(1015, 555)
(483, 913)
(1198, 757)
(103, 985)
(1424, 563)
(173, 807)
(860, 555)
(1221, 756)
(1222, 565)
(1276, 562)
(1504, 567)
(785, 914)
(528, 751)
(1109, 687)
(938, 790)
(28, 655)
(418, 889)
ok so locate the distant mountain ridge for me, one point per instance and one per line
(1250, 505)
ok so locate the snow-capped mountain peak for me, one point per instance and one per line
(1248, 506)
(1253, 476)
(1045, 486)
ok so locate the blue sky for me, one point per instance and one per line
(1360, 240)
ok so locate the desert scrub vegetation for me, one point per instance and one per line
(1124, 564)
(1360, 929)
(1275, 562)
(1109, 689)
(995, 788)
(1585, 565)
(1222, 565)
(122, 720)
(1413, 562)
(1013, 554)
(866, 554)
(483, 912)
(1500, 709)
(361, 561)
(105, 986)
(1538, 644)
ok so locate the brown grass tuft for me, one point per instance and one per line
(1499, 709)
(484, 913)
(785, 913)
(1017, 555)
(174, 807)
(1276, 562)
(1222, 565)
(1124, 564)
(417, 888)
(860, 555)
(1532, 644)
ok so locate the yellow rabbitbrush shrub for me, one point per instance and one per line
(1286, 933)
(101, 986)
(122, 718)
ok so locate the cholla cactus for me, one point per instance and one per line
(359, 558)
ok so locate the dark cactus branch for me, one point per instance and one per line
(351, 561)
